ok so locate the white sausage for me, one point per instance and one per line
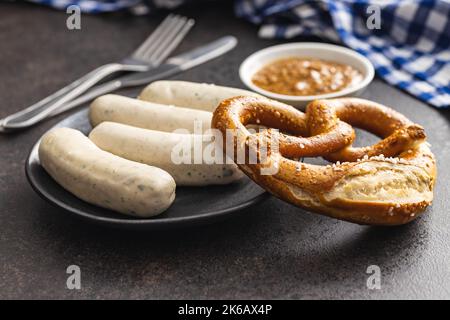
(146, 115)
(103, 179)
(194, 95)
(163, 149)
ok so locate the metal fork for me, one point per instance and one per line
(152, 52)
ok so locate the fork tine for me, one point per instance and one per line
(166, 37)
(175, 42)
(159, 38)
(153, 36)
(152, 53)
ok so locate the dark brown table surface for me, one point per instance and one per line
(272, 250)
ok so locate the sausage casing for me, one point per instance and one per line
(162, 149)
(103, 179)
(146, 115)
(193, 95)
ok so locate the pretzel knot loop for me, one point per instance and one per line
(388, 183)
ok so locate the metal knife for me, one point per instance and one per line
(173, 66)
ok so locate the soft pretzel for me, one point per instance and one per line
(389, 183)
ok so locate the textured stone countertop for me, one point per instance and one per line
(271, 250)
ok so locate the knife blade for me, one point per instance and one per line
(173, 66)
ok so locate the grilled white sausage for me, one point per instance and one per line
(103, 179)
(173, 152)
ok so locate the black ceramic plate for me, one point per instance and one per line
(193, 205)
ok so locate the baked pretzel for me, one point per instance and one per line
(389, 183)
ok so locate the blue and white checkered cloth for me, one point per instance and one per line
(410, 50)
(99, 6)
(90, 6)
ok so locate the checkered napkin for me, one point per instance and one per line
(90, 6)
(99, 6)
(410, 50)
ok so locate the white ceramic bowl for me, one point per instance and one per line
(306, 50)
